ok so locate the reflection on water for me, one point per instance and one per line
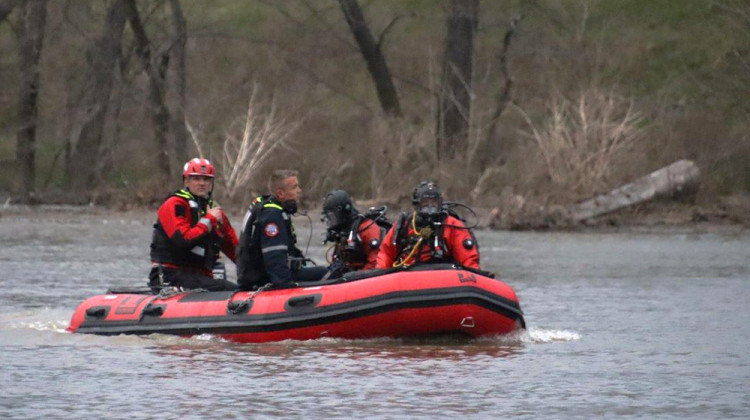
(641, 325)
(433, 348)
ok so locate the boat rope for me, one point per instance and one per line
(242, 305)
(329, 254)
(167, 292)
(171, 291)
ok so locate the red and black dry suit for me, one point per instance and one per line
(267, 251)
(450, 241)
(187, 241)
(359, 249)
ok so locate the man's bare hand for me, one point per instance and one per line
(217, 212)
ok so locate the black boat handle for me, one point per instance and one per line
(153, 310)
(301, 302)
(97, 311)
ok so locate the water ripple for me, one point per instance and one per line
(630, 325)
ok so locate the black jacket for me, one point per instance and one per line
(267, 251)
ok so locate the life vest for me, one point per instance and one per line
(250, 268)
(201, 254)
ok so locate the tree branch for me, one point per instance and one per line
(388, 27)
(6, 7)
(311, 73)
(158, 109)
(505, 96)
(376, 64)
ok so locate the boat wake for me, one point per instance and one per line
(56, 321)
(40, 320)
(539, 335)
(520, 337)
(532, 336)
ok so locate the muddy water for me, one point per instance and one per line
(620, 324)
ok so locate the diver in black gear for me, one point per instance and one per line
(431, 233)
(356, 237)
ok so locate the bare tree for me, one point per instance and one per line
(373, 55)
(30, 39)
(505, 95)
(454, 107)
(6, 7)
(178, 52)
(104, 56)
(502, 100)
(156, 76)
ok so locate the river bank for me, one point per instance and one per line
(727, 214)
(724, 214)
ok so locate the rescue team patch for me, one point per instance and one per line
(271, 230)
(180, 211)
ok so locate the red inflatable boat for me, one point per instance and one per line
(421, 301)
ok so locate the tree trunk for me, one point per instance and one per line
(112, 139)
(31, 37)
(178, 119)
(157, 105)
(678, 178)
(454, 108)
(504, 97)
(373, 56)
(105, 54)
(6, 7)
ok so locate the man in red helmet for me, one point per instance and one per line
(190, 232)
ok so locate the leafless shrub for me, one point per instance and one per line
(483, 180)
(401, 153)
(194, 138)
(580, 140)
(263, 131)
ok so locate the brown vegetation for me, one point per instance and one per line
(244, 157)
(560, 100)
(582, 139)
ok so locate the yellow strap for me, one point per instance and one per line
(273, 206)
(329, 258)
(426, 231)
(402, 262)
(184, 194)
(423, 234)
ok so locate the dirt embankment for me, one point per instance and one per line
(728, 213)
(725, 213)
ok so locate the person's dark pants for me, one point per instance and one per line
(188, 280)
(306, 274)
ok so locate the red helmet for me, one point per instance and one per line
(198, 167)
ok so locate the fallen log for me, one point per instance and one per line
(677, 179)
